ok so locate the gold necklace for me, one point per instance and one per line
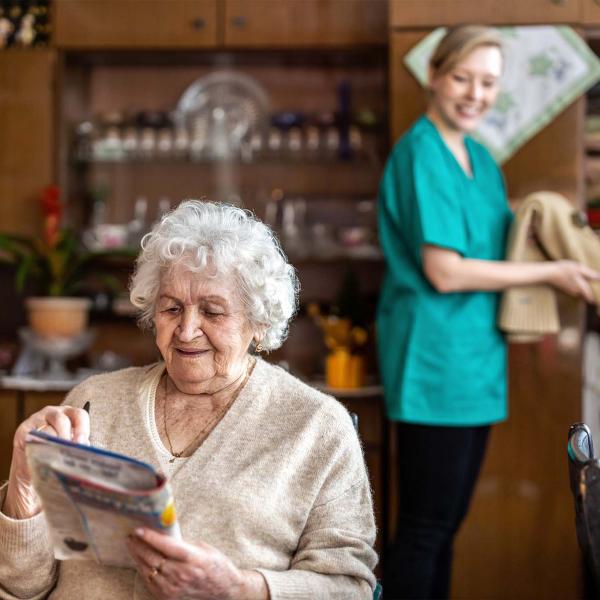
(209, 423)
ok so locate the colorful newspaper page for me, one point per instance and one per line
(93, 499)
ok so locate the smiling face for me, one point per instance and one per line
(201, 331)
(461, 96)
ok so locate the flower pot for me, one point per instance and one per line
(58, 316)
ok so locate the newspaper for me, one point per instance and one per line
(93, 499)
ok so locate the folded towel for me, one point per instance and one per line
(546, 227)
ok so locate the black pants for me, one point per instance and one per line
(438, 469)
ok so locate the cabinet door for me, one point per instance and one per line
(299, 23)
(27, 134)
(590, 12)
(410, 13)
(99, 24)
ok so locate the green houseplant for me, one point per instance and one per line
(56, 268)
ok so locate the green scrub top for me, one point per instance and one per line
(442, 359)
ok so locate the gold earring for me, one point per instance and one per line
(259, 347)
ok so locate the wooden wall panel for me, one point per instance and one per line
(407, 96)
(420, 13)
(27, 133)
(519, 538)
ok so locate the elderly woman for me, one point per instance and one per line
(268, 475)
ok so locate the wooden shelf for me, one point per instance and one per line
(292, 162)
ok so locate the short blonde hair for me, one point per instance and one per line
(458, 43)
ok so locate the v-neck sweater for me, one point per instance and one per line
(279, 486)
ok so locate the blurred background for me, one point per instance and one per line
(116, 110)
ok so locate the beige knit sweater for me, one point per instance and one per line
(279, 486)
(546, 227)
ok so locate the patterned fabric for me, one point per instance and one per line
(546, 69)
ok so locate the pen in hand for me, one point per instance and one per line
(86, 407)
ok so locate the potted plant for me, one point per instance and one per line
(57, 268)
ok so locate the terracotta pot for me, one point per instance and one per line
(58, 316)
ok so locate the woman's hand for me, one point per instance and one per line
(68, 422)
(174, 569)
(573, 278)
(448, 271)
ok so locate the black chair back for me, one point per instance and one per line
(584, 477)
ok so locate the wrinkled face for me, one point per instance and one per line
(201, 330)
(460, 97)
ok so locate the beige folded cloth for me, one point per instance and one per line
(546, 227)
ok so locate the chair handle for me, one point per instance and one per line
(580, 446)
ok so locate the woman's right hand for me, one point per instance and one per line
(68, 422)
(573, 278)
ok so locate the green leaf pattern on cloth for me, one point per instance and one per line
(541, 64)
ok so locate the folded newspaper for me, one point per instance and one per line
(93, 499)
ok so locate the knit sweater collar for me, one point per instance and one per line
(255, 388)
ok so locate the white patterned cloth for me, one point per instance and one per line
(546, 68)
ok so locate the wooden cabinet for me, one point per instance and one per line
(590, 12)
(27, 134)
(128, 24)
(131, 24)
(320, 23)
(421, 13)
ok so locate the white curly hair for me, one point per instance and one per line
(231, 241)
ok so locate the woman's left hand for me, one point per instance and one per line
(174, 569)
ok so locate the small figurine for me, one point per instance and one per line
(6, 28)
(26, 34)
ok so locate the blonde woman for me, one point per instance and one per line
(443, 223)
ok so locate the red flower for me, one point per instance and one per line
(53, 209)
(51, 204)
